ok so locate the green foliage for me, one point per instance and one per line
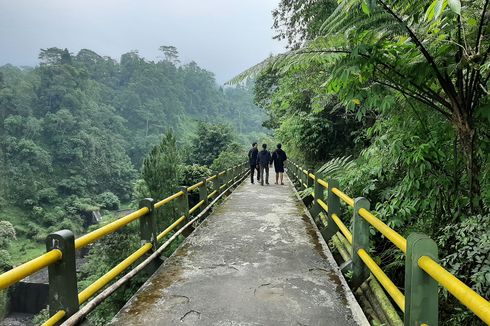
(232, 155)
(104, 255)
(305, 116)
(161, 173)
(41, 317)
(192, 174)
(160, 168)
(335, 167)
(467, 255)
(108, 200)
(7, 235)
(211, 140)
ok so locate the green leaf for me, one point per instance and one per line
(365, 8)
(455, 6)
(472, 21)
(429, 14)
(441, 4)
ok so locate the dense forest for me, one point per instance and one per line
(82, 133)
(397, 93)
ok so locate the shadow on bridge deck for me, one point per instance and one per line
(257, 260)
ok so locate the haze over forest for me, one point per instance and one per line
(222, 36)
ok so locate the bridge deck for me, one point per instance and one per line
(257, 260)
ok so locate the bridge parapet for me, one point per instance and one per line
(64, 301)
(423, 272)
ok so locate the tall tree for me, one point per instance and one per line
(435, 54)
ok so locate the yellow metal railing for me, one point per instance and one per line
(20, 272)
(469, 298)
(14, 275)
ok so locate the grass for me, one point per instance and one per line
(24, 248)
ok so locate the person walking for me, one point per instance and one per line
(263, 160)
(252, 160)
(278, 158)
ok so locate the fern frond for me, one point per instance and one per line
(336, 167)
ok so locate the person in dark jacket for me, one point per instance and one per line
(263, 160)
(278, 158)
(252, 160)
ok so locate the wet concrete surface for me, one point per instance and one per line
(257, 260)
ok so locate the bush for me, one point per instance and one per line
(192, 174)
(465, 247)
(108, 200)
(233, 155)
(47, 195)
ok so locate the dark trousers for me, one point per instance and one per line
(252, 171)
(266, 168)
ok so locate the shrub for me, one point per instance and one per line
(108, 200)
(465, 248)
(192, 174)
(47, 195)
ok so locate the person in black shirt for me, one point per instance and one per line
(263, 160)
(278, 158)
(252, 160)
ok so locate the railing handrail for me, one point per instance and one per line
(467, 296)
(32, 266)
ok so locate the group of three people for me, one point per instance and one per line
(260, 161)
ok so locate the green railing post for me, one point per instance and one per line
(421, 298)
(149, 232)
(203, 194)
(217, 182)
(333, 203)
(183, 202)
(226, 178)
(148, 223)
(360, 240)
(183, 210)
(309, 181)
(63, 291)
(316, 208)
(293, 172)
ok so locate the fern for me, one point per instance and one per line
(335, 167)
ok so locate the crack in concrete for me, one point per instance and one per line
(191, 313)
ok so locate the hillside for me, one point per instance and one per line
(75, 129)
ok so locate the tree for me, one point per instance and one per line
(170, 53)
(430, 54)
(161, 173)
(211, 140)
(436, 57)
(300, 21)
(160, 167)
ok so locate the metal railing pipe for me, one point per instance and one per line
(388, 232)
(22, 271)
(88, 238)
(458, 289)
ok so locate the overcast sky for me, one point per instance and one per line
(223, 36)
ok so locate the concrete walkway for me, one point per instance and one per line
(257, 260)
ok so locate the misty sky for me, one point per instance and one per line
(223, 36)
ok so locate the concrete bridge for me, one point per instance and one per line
(258, 259)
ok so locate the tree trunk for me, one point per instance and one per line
(468, 139)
